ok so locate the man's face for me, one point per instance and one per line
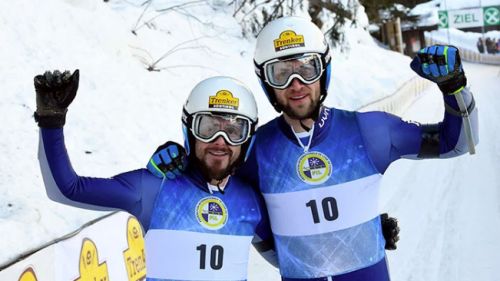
(299, 100)
(217, 157)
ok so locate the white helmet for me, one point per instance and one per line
(215, 97)
(285, 38)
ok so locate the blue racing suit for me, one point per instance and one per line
(321, 188)
(192, 231)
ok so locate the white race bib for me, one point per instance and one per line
(185, 255)
(324, 209)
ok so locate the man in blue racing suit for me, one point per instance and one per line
(198, 226)
(319, 168)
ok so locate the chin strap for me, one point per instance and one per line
(218, 186)
(304, 126)
(314, 116)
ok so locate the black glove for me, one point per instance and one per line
(453, 85)
(441, 64)
(54, 92)
(390, 229)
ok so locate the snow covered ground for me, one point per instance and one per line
(449, 210)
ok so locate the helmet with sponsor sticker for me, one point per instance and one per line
(220, 106)
(291, 39)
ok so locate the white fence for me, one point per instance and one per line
(469, 55)
(398, 102)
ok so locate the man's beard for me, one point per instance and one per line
(210, 173)
(310, 112)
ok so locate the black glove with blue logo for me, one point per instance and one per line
(54, 93)
(442, 65)
(169, 160)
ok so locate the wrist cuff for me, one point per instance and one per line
(453, 86)
(50, 121)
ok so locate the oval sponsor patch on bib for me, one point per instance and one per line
(314, 167)
(211, 213)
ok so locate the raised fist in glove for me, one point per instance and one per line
(169, 160)
(54, 92)
(442, 65)
(390, 230)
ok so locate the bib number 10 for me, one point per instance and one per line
(216, 256)
(328, 206)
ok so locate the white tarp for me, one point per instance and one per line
(111, 248)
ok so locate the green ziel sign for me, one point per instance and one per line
(472, 17)
(443, 19)
(491, 15)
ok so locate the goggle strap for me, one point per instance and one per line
(258, 68)
(186, 117)
(250, 146)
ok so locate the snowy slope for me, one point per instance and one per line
(450, 210)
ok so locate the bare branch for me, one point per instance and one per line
(181, 5)
(162, 12)
(187, 14)
(174, 51)
(254, 8)
(134, 29)
(272, 15)
(142, 60)
(131, 3)
(177, 48)
(239, 8)
(144, 51)
(187, 65)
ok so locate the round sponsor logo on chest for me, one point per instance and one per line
(314, 167)
(211, 213)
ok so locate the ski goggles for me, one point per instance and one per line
(235, 129)
(279, 73)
